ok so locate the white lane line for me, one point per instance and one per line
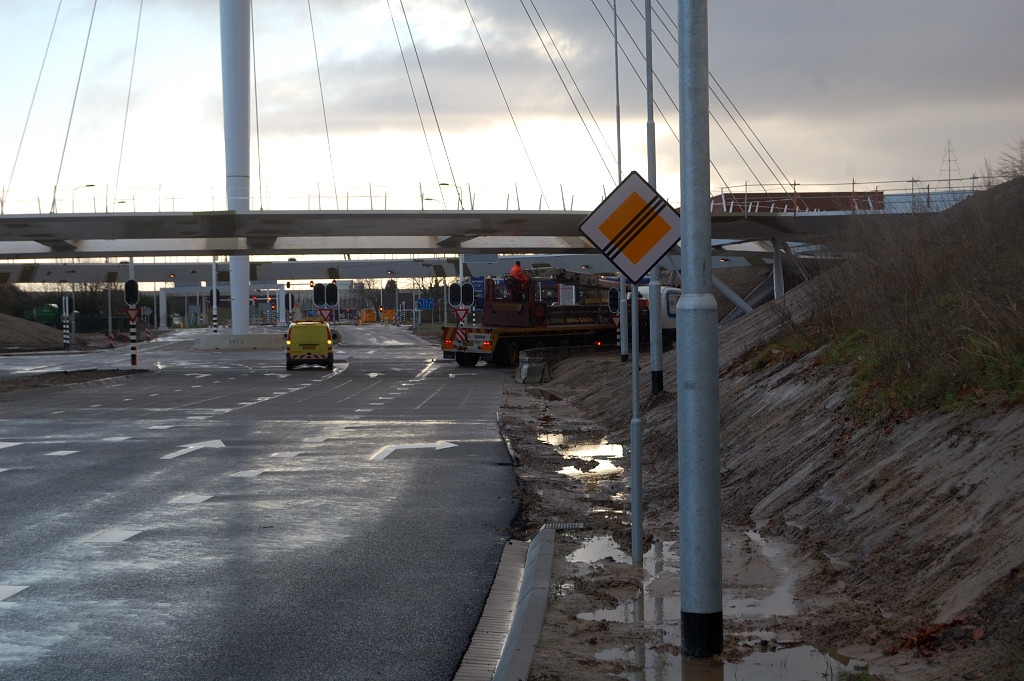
(385, 452)
(6, 591)
(315, 439)
(61, 452)
(284, 455)
(246, 474)
(1, 471)
(191, 499)
(111, 536)
(117, 438)
(160, 427)
(8, 444)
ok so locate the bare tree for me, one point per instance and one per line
(1011, 163)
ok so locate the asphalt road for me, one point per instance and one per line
(221, 518)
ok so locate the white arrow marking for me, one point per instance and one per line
(385, 452)
(192, 448)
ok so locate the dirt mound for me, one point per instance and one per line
(16, 333)
(907, 528)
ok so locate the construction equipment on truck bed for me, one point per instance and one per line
(540, 312)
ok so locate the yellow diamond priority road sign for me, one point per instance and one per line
(634, 227)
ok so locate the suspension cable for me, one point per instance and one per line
(665, 19)
(74, 101)
(433, 110)
(415, 101)
(323, 104)
(566, 87)
(508, 108)
(39, 78)
(127, 103)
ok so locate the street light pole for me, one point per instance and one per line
(458, 192)
(84, 186)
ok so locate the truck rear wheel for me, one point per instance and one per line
(510, 356)
(466, 359)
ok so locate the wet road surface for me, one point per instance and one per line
(221, 518)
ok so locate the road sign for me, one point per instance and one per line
(425, 303)
(133, 313)
(460, 313)
(325, 312)
(634, 227)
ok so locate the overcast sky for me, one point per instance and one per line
(870, 90)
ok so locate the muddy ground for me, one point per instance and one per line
(898, 548)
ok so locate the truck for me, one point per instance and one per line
(533, 313)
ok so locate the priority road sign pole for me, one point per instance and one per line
(636, 438)
(700, 499)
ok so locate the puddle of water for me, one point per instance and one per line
(780, 601)
(658, 608)
(597, 549)
(586, 458)
(791, 664)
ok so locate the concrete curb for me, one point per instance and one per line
(524, 633)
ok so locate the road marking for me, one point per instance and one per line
(197, 375)
(160, 427)
(315, 439)
(6, 591)
(427, 370)
(190, 499)
(1, 471)
(246, 474)
(385, 452)
(193, 447)
(8, 444)
(117, 438)
(61, 452)
(284, 455)
(111, 536)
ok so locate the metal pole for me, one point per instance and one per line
(234, 54)
(636, 438)
(623, 335)
(213, 296)
(74, 306)
(700, 503)
(618, 113)
(623, 338)
(110, 318)
(654, 290)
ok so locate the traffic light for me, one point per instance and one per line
(319, 295)
(131, 293)
(613, 300)
(331, 294)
